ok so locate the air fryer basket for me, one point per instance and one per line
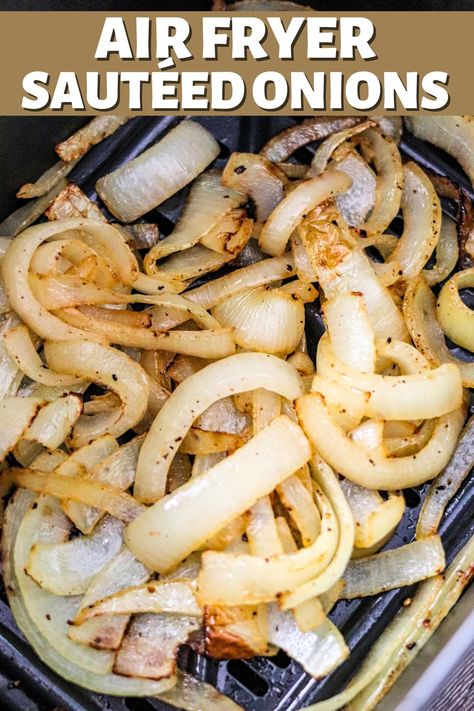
(261, 684)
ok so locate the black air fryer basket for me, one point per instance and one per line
(261, 684)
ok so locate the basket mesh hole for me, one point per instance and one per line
(281, 660)
(412, 498)
(246, 676)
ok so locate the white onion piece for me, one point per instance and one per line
(17, 261)
(264, 272)
(350, 331)
(258, 178)
(375, 471)
(54, 422)
(454, 134)
(208, 201)
(419, 308)
(319, 651)
(387, 645)
(27, 214)
(263, 319)
(249, 473)
(67, 568)
(47, 181)
(445, 485)
(302, 200)
(231, 578)
(455, 318)
(375, 518)
(355, 273)
(16, 416)
(422, 394)
(112, 369)
(138, 657)
(301, 508)
(421, 210)
(191, 694)
(47, 524)
(390, 126)
(239, 373)
(327, 578)
(394, 568)
(175, 597)
(93, 132)
(447, 253)
(384, 154)
(40, 636)
(356, 203)
(10, 375)
(21, 349)
(329, 145)
(159, 172)
(115, 468)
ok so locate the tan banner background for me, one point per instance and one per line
(66, 41)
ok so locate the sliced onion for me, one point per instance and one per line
(72, 202)
(445, 593)
(457, 319)
(208, 202)
(239, 373)
(191, 694)
(264, 272)
(394, 568)
(329, 145)
(309, 615)
(377, 472)
(259, 454)
(106, 632)
(116, 469)
(10, 375)
(375, 518)
(390, 126)
(387, 644)
(454, 134)
(346, 405)
(445, 485)
(21, 350)
(47, 181)
(173, 596)
(138, 657)
(110, 368)
(357, 202)
(265, 320)
(159, 172)
(419, 395)
(331, 574)
(67, 568)
(16, 416)
(227, 240)
(231, 579)
(350, 331)
(258, 178)
(89, 135)
(301, 509)
(419, 308)
(319, 651)
(421, 222)
(383, 153)
(40, 636)
(17, 262)
(217, 343)
(27, 214)
(304, 198)
(281, 146)
(447, 253)
(115, 502)
(54, 422)
(238, 632)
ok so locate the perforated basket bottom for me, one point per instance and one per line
(262, 684)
